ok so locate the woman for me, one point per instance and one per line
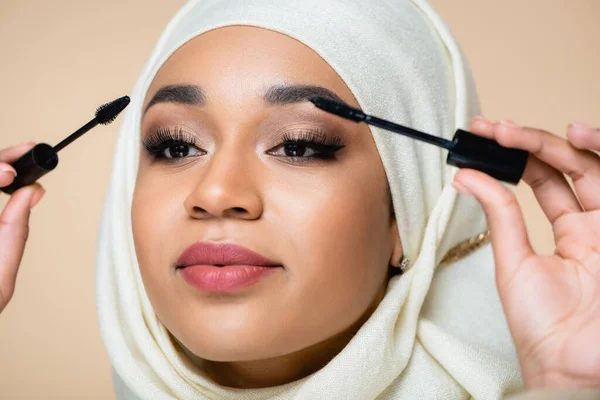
(222, 161)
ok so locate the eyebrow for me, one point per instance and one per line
(278, 95)
(281, 95)
(180, 94)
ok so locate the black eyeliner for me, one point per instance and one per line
(163, 138)
(325, 146)
(314, 139)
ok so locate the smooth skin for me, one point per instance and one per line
(14, 221)
(328, 222)
(552, 303)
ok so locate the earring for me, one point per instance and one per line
(404, 263)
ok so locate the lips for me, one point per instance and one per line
(223, 267)
(221, 254)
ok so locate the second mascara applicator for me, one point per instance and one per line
(465, 150)
(43, 158)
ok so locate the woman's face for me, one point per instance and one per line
(228, 157)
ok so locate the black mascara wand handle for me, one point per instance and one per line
(466, 150)
(34, 164)
(354, 114)
(487, 155)
(40, 160)
(412, 133)
(43, 158)
(105, 114)
(75, 135)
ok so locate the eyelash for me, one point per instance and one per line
(324, 146)
(163, 138)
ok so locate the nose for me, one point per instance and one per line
(225, 188)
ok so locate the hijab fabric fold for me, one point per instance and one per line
(439, 333)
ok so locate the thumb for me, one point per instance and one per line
(508, 233)
(14, 230)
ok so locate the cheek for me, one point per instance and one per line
(155, 211)
(335, 223)
(329, 229)
(334, 233)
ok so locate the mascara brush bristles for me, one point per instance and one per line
(105, 114)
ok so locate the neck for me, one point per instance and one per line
(290, 367)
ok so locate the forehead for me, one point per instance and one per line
(243, 62)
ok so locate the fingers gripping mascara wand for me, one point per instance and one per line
(466, 150)
(43, 158)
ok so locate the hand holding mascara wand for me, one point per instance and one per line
(43, 158)
(465, 150)
(34, 164)
(547, 290)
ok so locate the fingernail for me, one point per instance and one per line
(479, 118)
(461, 188)
(579, 125)
(26, 143)
(37, 196)
(509, 123)
(8, 168)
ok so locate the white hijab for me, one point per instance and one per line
(439, 333)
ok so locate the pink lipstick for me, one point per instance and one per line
(223, 267)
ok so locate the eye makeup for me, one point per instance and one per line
(300, 145)
(322, 146)
(169, 143)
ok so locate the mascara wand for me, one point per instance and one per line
(466, 150)
(43, 158)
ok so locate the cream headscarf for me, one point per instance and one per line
(439, 333)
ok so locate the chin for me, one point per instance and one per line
(226, 338)
(226, 349)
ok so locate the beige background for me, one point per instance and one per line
(535, 61)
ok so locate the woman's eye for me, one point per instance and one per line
(167, 144)
(307, 150)
(179, 150)
(307, 146)
(296, 150)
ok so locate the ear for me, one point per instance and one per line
(397, 251)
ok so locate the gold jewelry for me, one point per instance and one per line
(459, 251)
(466, 247)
